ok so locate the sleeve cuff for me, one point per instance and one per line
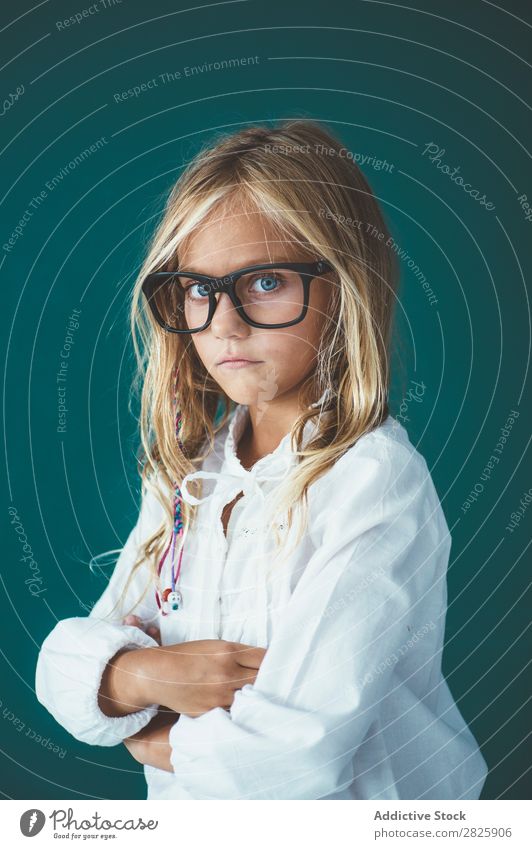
(69, 674)
(114, 729)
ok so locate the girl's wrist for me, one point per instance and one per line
(124, 688)
(143, 669)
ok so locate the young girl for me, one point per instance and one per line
(273, 628)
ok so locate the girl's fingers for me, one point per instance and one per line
(152, 630)
(250, 657)
(131, 619)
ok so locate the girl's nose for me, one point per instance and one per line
(226, 317)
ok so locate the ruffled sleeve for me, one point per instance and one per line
(75, 653)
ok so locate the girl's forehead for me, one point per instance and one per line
(234, 224)
(236, 241)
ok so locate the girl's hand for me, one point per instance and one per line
(194, 677)
(150, 746)
(152, 630)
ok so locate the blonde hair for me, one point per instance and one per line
(296, 175)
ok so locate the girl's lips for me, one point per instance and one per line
(238, 363)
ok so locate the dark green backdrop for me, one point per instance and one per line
(389, 80)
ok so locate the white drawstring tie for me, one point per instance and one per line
(227, 486)
(229, 482)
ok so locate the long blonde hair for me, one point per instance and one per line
(297, 174)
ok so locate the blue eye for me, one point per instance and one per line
(203, 290)
(271, 282)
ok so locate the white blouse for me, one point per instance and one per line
(349, 701)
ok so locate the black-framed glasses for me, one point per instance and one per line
(274, 294)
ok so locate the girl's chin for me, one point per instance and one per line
(248, 394)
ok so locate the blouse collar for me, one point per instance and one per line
(236, 428)
(233, 477)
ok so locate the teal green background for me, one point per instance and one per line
(388, 81)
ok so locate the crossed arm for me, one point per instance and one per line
(151, 745)
(119, 694)
(325, 676)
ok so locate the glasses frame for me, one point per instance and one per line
(307, 270)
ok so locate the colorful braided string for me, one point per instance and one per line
(177, 529)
